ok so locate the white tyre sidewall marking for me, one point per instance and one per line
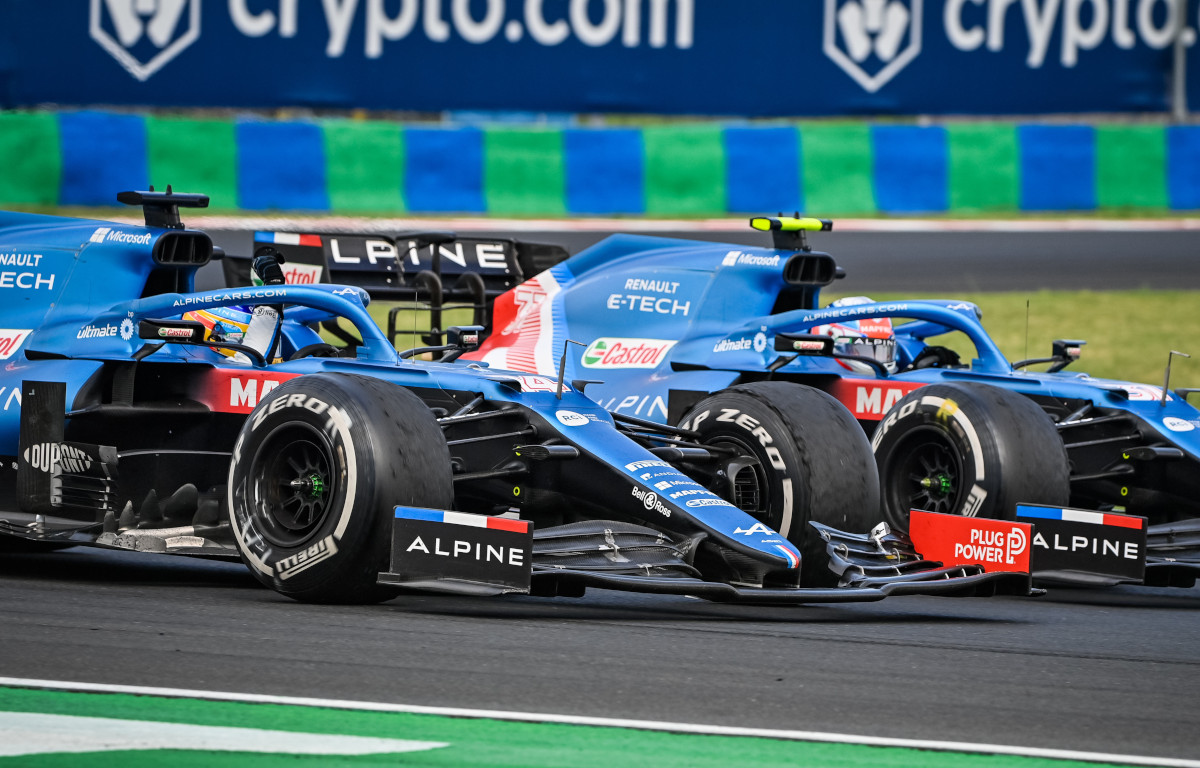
(774, 457)
(937, 404)
(341, 424)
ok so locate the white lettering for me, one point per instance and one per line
(539, 30)
(242, 393)
(382, 27)
(490, 256)
(250, 24)
(1156, 37)
(631, 31)
(960, 37)
(436, 28)
(1040, 28)
(869, 400)
(996, 13)
(26, 280)
(595, 34)
(1122, 35)
(20, 259)
(338, 17)
(477, 31)
(1075, 36)
(336, 252)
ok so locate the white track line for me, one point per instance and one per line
(335, 223)
(645, 725)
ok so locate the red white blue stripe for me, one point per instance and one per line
(1082, 516)
(463, 518)
(287, 238)
(792, 557)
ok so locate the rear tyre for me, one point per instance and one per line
(813, 463)
(968, 449)
(316, 471)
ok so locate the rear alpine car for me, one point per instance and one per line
(723, 339)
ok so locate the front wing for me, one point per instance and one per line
(455, 552)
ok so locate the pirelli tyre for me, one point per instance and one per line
(968, 448)
(813, 463)
(316, 471)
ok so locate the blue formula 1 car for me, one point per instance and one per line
(731, 343)
(138, 414)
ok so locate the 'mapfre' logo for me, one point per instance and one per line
(872, 40)
(144, 34)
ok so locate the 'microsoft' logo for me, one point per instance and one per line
(143, 35)
(110, 235)
(872, 40)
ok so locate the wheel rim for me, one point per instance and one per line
(924, 472)
(294, 484)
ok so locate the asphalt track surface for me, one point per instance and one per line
(1113, 671)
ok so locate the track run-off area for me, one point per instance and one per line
(48, 723)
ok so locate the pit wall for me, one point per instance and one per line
(83, 158)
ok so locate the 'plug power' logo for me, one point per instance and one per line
(143, 35)
(872, 40)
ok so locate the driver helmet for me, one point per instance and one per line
(227, 324)
(872, 338)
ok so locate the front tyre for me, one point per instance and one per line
(813, 462)
(316, 471)
(970, 449)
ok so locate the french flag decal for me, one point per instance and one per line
(463, 518)
(1082, 516)
(287, 238)
(792, 558)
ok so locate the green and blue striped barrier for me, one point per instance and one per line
(707, 169)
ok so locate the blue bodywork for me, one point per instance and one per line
(75, 291)
(666, 322)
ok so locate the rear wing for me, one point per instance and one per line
(436, 271)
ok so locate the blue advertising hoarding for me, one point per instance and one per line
(756, 58)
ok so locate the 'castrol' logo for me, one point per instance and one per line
(11, 340)
(626, 353)
(302, 274)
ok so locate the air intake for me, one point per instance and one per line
(810, 269)
(182, 249)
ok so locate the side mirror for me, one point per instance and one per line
(804, 343)
(188, 332)
(1067, 349)
(178, 331)
(464, 337)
